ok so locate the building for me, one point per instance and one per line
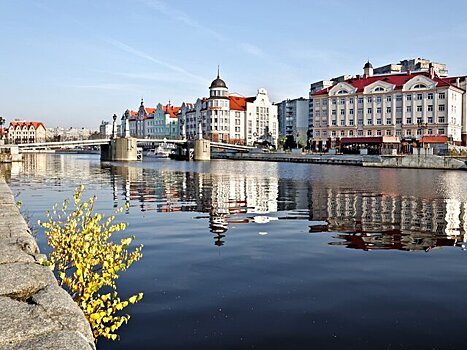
(71, 134)
(293, 119)
(231, 118)
(105, 129)
(405, 105)
(21, 131)
(137, 120)
(163, 123)
(413, 65)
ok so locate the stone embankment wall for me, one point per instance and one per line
(35, 312)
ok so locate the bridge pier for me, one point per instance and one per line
(202, 150)
(120, 149)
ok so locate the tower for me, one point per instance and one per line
(218, 117)
(368, 70)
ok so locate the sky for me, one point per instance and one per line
(75, 63)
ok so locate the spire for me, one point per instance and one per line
(142, 101)
(218, 76)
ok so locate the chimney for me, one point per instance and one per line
(431, 70)
(458, 82)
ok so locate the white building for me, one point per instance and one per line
(407, 106)
(21, 131)
(293, 119)
(231, 118)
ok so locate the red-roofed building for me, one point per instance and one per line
(163, 122)
(21, 131)
(230, 118)
(408, 105)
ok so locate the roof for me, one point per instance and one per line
(368, 65)
(21, 124)
(149, 110)
(237, 103)
(172, 110)
(395, 79)
(218, 83)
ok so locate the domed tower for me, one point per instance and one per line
(218, 118)
(368, 70)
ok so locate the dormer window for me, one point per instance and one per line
(379, 89)
(420, 86)
(341, 92)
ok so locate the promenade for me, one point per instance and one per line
(35, 312)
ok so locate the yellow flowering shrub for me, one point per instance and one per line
(87, 260)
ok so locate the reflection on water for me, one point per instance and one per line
(363, 219)
(250, 255)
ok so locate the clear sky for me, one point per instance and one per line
(75, 63)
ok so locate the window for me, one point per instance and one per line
(419, 97)
(388, 110)
(430, 108)
(334, 112)
(379, 89)
(409, 121)
(399, 109)
(398, 120)
(409, 97)
(333, 133)
(398, 133)
(388, 98)
(342, 133)
(441, 108)
(351, 100)
(369, 99)
(333, 101)
(333, 122)
(351, 111)
(398, 98)
(388, 121)
(409, 109)
(420, 86)
(360, 100)
(378, 132)
(360, 122)
(368, 132)
(350, 132)
(419, 132)
(369, 110)
(419, 120)
(341, 92)
(360, 132)
(430, 120)
(342, 111)
(408, 132)
(378, 99)
(342, 122)
(351, 122)
(441, 131)
(378, 110)
(378, 121)
(441, 119)
(369, 121)
(342, 101)
(388, 133)
(430, 96)
(441, 95)
(419, 108)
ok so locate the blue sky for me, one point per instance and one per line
(75, 63)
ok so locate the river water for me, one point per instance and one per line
(258, 255)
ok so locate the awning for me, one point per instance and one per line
(369, 140)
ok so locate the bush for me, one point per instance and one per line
(87, 261)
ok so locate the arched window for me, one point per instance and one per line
(341, 92)
(420, 86)
(378, 89)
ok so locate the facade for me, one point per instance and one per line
(105, 129)
(406, 105)
(71, 134)
(163, 123)
(231, 118)
(293, 119)
(137, 120)
(26, 132)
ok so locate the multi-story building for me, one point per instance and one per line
(21, 131)
(162, 123)
(137, 120)
(231, 118)
(71, 134)
(106, 128)
(293, 119)
(413, 65)
(406, 105)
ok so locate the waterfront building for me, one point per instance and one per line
(159, 122)
(413, 65)
(105, 129)
(162, 123)
(71, 134)
(407, 106)
(293, 119)
(21, 131)
(231, 118)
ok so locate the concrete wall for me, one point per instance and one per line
(35, 312)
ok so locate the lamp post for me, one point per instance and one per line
(2, 122)
(113, 126)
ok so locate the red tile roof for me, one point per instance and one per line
(172, 110)
(395, 79)
(149, 110)
(21, 124)
(237, 103)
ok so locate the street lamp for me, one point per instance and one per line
(113, 126)
(423, 127)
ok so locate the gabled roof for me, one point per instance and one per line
(237, 103)
(172, 110)
(149, 110)
(21, 124)
(398, 80)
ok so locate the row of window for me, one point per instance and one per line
(379, 110)
(379, 99)
(409, 132)
(389, 121)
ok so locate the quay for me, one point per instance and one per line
(406, 161)
(36, 313)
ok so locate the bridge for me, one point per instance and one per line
(130, 144)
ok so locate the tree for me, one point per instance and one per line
(87, 260)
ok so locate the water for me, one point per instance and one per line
(253, 255)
